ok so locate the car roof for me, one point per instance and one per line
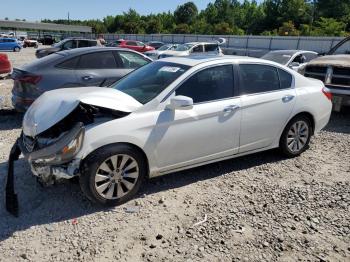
(290, 52)
(82, 50)
(196, 60)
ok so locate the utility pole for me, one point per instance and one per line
(68, 17)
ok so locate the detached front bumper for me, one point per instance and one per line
(50, 163)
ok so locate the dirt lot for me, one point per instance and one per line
(257, 208)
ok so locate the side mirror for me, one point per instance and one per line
(180, 103)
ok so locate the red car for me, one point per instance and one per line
(5, 65)
(134, 45)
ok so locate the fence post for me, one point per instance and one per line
(298, 44)
(270, 44)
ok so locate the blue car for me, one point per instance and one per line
(10, 44)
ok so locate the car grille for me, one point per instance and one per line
(318, 72)
(332, 76)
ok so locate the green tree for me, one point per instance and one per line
(182, 29)
(186, 13)
(329, 27)
(288, 29)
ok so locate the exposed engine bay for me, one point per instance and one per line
(51, 152)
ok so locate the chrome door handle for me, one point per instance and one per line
(87, 77)
(230, 108)
(287, 98)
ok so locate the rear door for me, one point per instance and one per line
(97, 69)
(268, 98)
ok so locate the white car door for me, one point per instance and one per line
(210, 130)
(268, 98)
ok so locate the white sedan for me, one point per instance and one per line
(170, 115)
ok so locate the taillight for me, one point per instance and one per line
(3, 57)
(327, 93)
(31, 79)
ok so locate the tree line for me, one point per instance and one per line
(233, 17)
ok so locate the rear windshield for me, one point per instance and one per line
(280, 58)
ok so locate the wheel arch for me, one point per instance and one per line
(145, 158)
(309, 116)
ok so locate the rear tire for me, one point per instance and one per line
(16, 49)
(113, 174)
(296, 136)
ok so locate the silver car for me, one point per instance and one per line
(91, 66)
(293, 59)
(155, 54)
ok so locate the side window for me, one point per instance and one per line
(131, 60)
(92, 43)
(258, 79)
(209, 84)
(301, 59)
(210, 48)
(132, 43)
(140, 43)
(98, 60)
(70, 44)
(285, 79)
(69, 64)
(197, 49)
(83, 43)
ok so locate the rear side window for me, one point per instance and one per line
(286, 79)
(258, 79)
(97, 60)
(131, 60)
(210, 48)
(69, 64)
(209, 84)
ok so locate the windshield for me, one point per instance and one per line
(60, 43)
(277, 57)
(164, 47)
(147, 82)
(184, 47)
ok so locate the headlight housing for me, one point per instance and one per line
(62, 151)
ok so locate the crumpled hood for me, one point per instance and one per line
(53, 106)
(176, 53)
(332, 60)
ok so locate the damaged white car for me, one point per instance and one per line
(170, 115)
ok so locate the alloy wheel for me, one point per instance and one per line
(298, 136)
(116, 176)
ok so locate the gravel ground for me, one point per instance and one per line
(256, 208)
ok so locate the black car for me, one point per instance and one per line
(66, 44)
(47, 40)
(155, 44)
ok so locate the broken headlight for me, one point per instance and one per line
(63, 150)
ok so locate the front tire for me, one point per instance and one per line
(16, 49)
(296, 136)
(113, 174)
